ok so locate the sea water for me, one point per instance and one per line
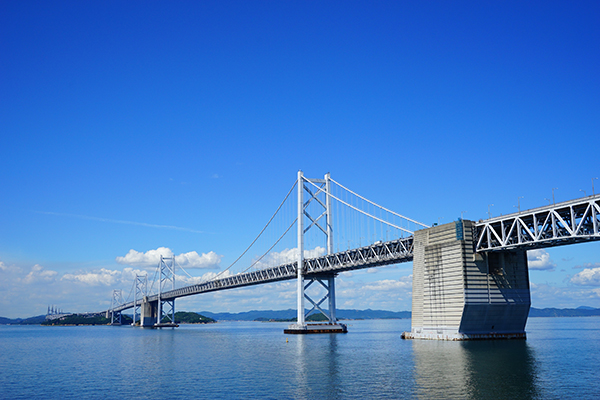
(254, 360)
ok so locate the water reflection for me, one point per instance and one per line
(317, 367)
(475, 370)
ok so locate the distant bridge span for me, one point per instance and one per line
(378, 254)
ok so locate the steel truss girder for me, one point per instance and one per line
(558, 224)
(384, 253)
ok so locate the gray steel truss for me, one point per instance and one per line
(381, 253)
(116, 307)
(319, 191)
(166, 305)
(140, 290)
(569, 222)
(328, 283)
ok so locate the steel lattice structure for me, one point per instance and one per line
(166, 305)
(140, 290)
(557, 224)
(116, 307)
(383, 253)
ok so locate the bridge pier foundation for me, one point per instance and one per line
(148, 313)
(331, 325)
(459, 294)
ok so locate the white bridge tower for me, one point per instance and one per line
(319, 191)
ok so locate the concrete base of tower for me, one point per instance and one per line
(165, 325)
(296, 329)
(149, 313)
(459, 294)
(441, 334)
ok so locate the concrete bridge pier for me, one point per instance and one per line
(459, 294)
(148, 313)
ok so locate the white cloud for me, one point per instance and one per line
(383, 268)
(38, 273)
(587, 265)
(532, 285)
(386, 294)
(12, 275)
(26, 291)
(389, 285)
(185, 280)
(539, 259)
(545, 295)
(587, 277)
(147, 259)
(151, 258)
(210, 260)
(129, 274)
(287, 256)
(316, 252)
(101, 277)
(8, 268)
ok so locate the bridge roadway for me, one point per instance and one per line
(378, 254)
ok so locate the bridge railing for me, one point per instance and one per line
(557, 224)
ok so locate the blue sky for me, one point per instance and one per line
(147, 125)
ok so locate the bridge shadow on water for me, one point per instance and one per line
(475, 370)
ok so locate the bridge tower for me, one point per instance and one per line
(117, 300)
(140, 291)
(319, 191)
(166, 308)
(461, 294)
(160, 312)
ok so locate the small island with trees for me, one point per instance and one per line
(181, 317)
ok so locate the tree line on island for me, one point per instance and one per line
(181, 317)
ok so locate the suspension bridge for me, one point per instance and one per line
(470, 279)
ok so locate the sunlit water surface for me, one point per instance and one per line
(242, 360)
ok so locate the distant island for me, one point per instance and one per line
(289, 315)
(582, 311)
(181, 317)
(184, 317)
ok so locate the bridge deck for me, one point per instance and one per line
(381, 253)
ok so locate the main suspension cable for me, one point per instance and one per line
(261, 232)
(366, 213)
(271, 248)
(377, 205)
